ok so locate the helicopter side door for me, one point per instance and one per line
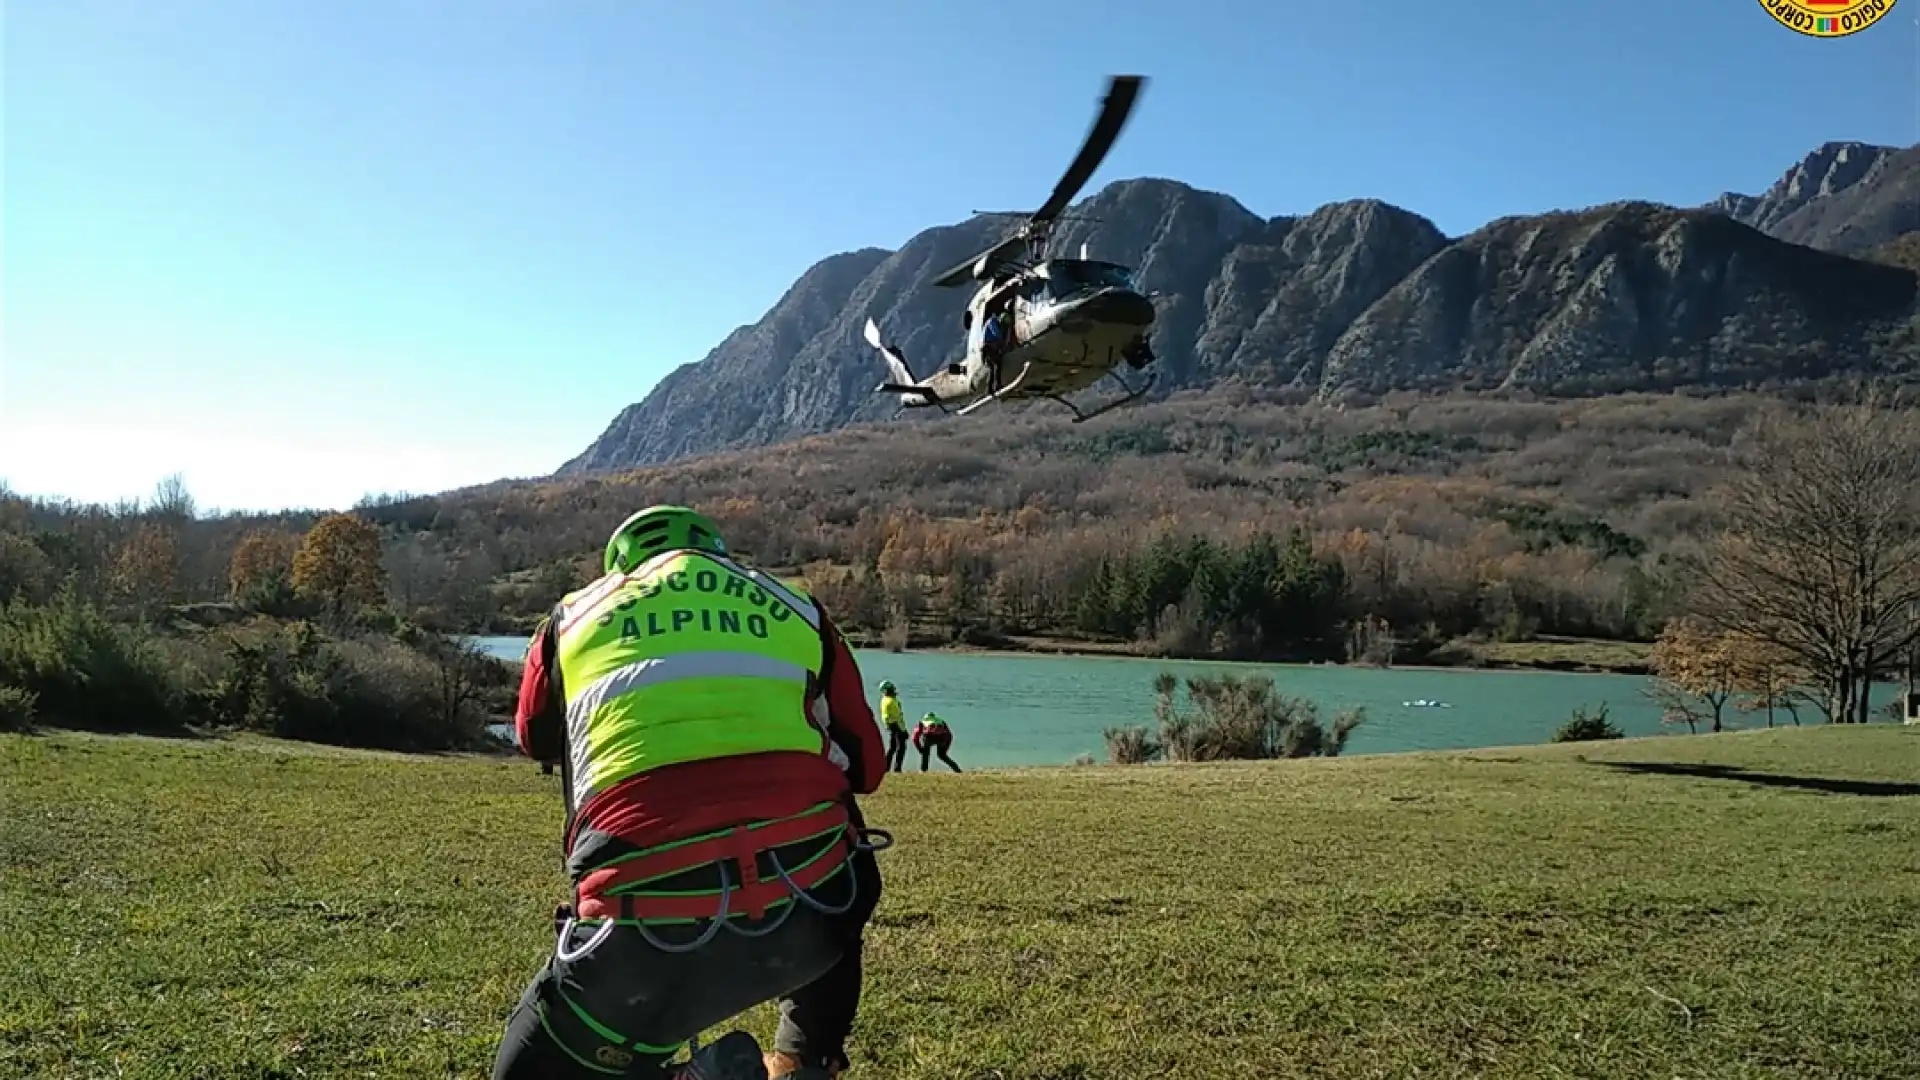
(976, 328)
(1001, 303)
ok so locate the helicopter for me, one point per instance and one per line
(1062, 324)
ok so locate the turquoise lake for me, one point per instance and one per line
(1048, 710)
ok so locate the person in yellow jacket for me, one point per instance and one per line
(895, 717)
(712, 732)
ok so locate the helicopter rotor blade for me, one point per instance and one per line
(1122, 92)
(964, 272)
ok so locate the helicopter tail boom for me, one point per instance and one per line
(911, 395)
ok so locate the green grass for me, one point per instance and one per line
(257, 909)
(1581, 654)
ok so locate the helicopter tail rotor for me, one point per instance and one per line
(897, 370)
(900, 380)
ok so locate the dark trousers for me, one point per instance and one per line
(939, 746)
(896, 748)
(654, 1000)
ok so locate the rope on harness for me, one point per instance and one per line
(712, 930)
(800, 894)
(740, 928)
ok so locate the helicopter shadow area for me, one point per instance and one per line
(1825, 785)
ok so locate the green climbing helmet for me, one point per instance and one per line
(886, 686)
(657, 529)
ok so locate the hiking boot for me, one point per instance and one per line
(733, 1056)
(789, 1067)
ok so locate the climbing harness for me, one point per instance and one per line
(614, 893)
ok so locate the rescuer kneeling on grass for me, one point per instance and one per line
(932, 734)
(712, 730)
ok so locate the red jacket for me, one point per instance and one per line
(677, 801)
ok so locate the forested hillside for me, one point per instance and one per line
(1437, 517)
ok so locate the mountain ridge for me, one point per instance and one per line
(1847, 197)
(1362, 297)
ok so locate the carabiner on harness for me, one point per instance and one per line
(566, 931)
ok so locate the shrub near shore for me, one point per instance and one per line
(306, 648)
(68, 664)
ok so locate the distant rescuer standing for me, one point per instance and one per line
(894, 716)
(712, 729)
(932, 734)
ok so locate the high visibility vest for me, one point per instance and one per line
(891, 712)
(688, 657)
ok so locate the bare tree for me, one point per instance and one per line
(1820, 551)
(172, 500)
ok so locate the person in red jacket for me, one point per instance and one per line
(712, 731)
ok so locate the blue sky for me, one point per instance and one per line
(305, 251)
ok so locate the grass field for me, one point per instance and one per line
(1577, 654)
(265, 910)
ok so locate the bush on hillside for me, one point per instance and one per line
(25, 570)
(66, 663)
(1584, 726)
(86, 671)
(17, 707)
(1133, 745)
(1232, 718)
(370, 691)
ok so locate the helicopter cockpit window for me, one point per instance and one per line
(1065, 278)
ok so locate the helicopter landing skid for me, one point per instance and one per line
(1131, 395)
(1000, 394)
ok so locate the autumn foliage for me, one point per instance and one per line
(338, 564)
(1447, 518)
(263, 557)
(1697, 671)
(147, 567)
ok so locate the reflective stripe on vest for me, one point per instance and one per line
(689, 657)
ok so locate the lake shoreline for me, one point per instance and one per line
(1578, 657)
(1584, 656)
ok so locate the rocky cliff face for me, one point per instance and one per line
(1359, 296)
(1847, 197)
(1631, 296)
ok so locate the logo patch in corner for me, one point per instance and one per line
(1827, 18)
